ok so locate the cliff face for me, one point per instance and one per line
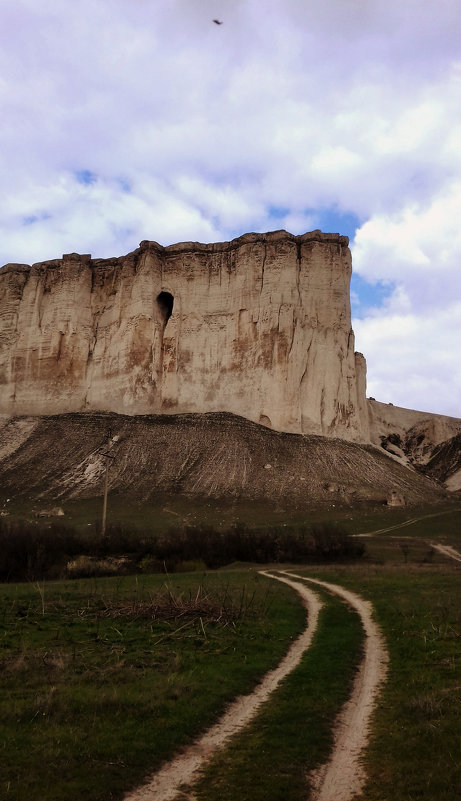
(259, 326)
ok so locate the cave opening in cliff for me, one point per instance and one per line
(165, 303)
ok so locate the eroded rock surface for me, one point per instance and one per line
(259, 326)
(431, 443)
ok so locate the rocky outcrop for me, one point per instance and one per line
(445, 463)
(259, 326)
(431, 443)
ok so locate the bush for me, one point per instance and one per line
(31, 552)
(334, 544)
(89, 566)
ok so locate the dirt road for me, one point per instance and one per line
(405, 523)
(446, 550)
(183, 769)
(343, 776)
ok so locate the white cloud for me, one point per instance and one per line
(413, 360)
(412, 341)
(287, 105)
(417, 248)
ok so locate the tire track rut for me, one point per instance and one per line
(343, 776)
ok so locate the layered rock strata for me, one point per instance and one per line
(259, 326)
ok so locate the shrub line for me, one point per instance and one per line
(31, 552)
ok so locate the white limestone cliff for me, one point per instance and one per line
(259, 326)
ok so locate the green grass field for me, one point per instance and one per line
(94, 698)
(96, 694)
(163, 512)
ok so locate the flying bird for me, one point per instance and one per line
(217, 22)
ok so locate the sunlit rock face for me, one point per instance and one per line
(259, 326)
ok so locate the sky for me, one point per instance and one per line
(124, 120)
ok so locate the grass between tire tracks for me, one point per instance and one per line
(292, 734)
(94, 699)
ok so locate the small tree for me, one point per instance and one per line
(404, 548)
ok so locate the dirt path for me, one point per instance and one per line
(447, 550)
(406, 523)
(343, 776)
(183, 769)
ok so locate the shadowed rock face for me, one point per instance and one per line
(259, 327)
(445, 463)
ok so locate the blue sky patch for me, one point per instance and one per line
(329, 220)
(333, 221)
(33, 218)
(366, 296)
(86, 177)
(124, 185)
(278, 212)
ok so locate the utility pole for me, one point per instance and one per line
(107, 457)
